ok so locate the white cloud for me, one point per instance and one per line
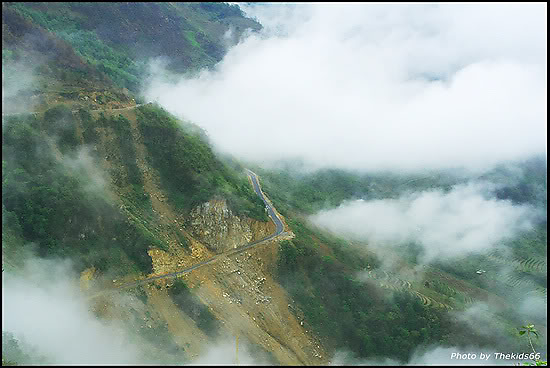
(52, 320)
(373, 86)
(225, 353)
(446, 225)
(82, 162)
(18, 81)
(44, 309)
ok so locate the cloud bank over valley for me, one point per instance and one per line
(366, 86)
(447, 225)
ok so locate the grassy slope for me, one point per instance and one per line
(349, 314)
(40, 69)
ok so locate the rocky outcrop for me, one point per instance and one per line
(215, 225)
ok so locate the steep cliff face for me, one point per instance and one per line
(214, 224)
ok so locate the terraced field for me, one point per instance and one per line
(426, 300)
(532, 264)
(525, 273)
(391, 281)
(517, 279)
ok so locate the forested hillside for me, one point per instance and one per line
(94, 53)
(317, 267)
(56, 197)
(111, 190)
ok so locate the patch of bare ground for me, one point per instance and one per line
(261, 229)
(183, 329)
(324, 249)
(241, 292)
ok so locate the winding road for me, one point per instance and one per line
(270, 210)
(278, 231)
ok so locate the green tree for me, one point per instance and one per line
(530, 330)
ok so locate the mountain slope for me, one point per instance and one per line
(118, 38)
(88, 193)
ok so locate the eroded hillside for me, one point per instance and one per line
(239, 292)
(123, 190)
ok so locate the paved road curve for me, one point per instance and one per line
(272, 214)
(270, 209)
